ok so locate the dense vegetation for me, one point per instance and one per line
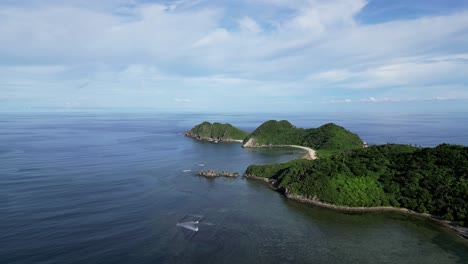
(276, 133)
(207, 130)
(426, 180)
(327, 139)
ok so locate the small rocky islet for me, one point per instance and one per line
(212, 174)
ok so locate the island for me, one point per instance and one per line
(212, 174)
(215, 132)
(325, 140)
(349, 175)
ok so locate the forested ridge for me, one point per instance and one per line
(207, 130)
(327, 139)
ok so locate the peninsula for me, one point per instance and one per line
(429, 181)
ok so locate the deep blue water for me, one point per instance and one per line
(111, 188)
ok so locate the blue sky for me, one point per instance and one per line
(234, 56)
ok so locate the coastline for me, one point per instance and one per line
(459, 230)
(228, 140)
(310, 155)
(462, 232)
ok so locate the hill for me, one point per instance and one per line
(327, 139)
(216, 131)
(425, 180)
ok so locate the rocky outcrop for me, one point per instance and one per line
(212, 173)
(250, 176)
(250, 143)
(208, 173)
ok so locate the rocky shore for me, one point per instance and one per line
(212, 174)
(461, 231)
(270, 181)
(209, 139)
(310, 155)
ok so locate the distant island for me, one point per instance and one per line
(216, 132)
(350, 176)
(326, 140)
(212, 174)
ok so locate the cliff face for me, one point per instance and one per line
(250, 143)
(216, 131)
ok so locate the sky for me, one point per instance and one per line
(234, 56)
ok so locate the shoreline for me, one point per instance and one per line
(310, 155)
(460, 231)
(229, 140)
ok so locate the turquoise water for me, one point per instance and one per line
(121, 188)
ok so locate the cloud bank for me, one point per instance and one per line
(269, 53)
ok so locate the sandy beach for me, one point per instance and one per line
(310, 152)
(310, 155)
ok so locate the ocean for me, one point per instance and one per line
(121, 188)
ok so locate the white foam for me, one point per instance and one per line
(192, 225)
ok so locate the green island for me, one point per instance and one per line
(216, 132)
(348, 175)
(326, 140)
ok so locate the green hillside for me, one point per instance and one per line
(327, 139)
(426, 180)
(217, 131)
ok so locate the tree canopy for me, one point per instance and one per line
(327, 139)
(426, 180)
(216, 130)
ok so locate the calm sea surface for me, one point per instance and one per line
(120, 188)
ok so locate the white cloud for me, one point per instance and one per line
(318, 16)
(249, 25)
(216, 37)
(402, 72)
(182, 100)
(378, 100)
(331, 76)
(367, 100)
(305, 49)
